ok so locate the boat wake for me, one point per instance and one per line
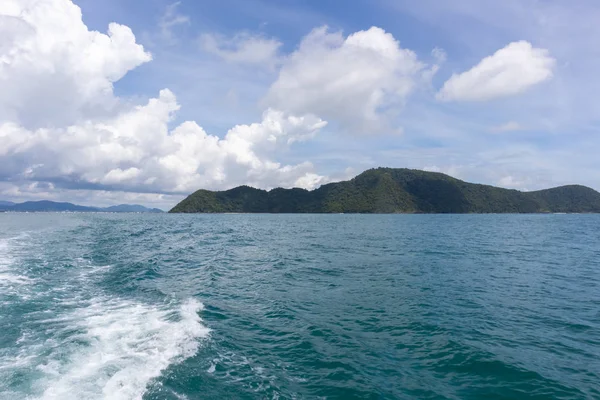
(9, 278)
(110, 349)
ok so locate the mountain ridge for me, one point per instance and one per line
(53, 206)
(394, 190)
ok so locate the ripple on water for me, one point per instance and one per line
(301, 306)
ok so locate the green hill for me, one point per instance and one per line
(390, 190)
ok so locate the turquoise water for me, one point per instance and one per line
(299, 306)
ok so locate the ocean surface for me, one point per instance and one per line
(139, 306)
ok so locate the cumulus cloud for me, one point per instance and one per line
(136, 151)
(359, 81)
(509, 71)
(243, 48)
(53, 69)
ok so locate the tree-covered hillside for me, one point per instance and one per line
(390, 190)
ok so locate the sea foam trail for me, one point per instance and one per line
(8, 277)
(119, 348)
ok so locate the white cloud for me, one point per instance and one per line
(359, 81)
(509, 71)
(136, 151)
(118, 175)
(170, 19)
(440, 56)
(53, 69)
(512, 183)
(452, 170)
(311, 181)
(50, 61)
(243, 48)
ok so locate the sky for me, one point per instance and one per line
(131, 101)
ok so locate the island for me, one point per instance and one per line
(53, 206)
(394, 190)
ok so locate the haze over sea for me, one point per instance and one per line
(135, 306)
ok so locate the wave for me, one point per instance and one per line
(113, 349)
(8, 276)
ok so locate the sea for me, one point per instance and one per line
(167, 306)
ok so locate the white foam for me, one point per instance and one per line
(9, 277)
(179, 396)
(87, 268)
(121, 348)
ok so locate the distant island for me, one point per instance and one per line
(53, 206)
(394, 190)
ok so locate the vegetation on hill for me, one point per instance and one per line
(390, 190)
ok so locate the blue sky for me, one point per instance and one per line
(213, 94)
